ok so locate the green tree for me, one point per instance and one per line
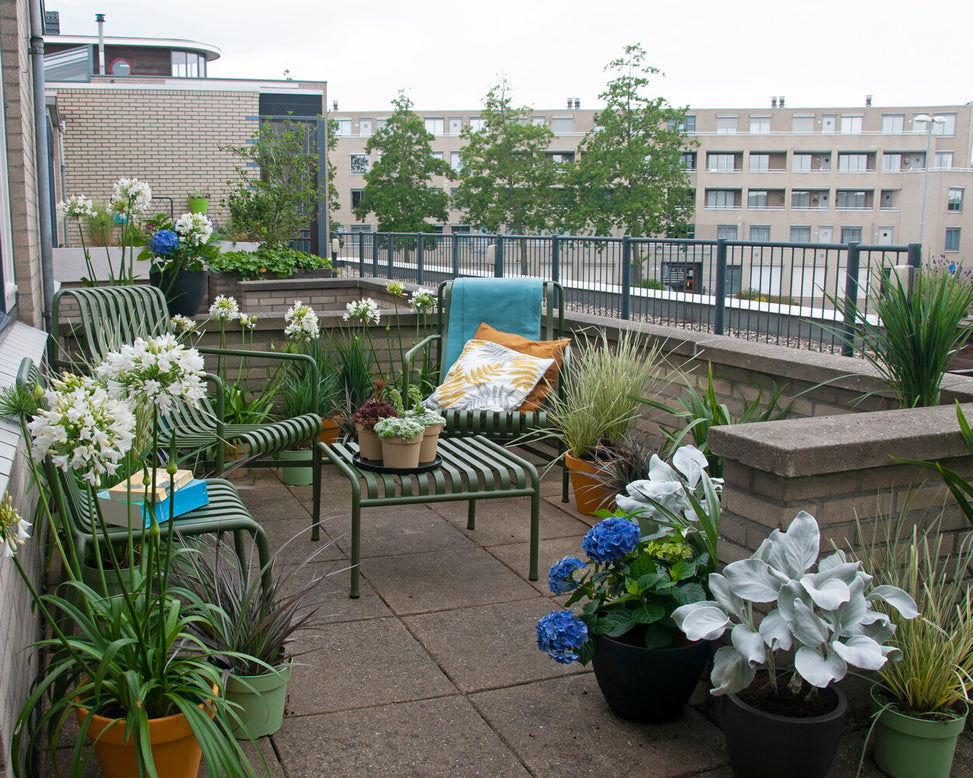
(508, 181)
(397, 188)
(629, 173)
(275, 207)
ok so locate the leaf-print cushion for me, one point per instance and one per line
(488, 377)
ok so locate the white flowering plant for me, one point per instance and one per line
(302, 323)
(189, 243)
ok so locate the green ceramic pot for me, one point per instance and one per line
(261, 698)
(296, 475)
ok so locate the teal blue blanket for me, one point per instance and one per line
(507, 304)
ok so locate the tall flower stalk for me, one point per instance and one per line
(78, 207)
(130, 199)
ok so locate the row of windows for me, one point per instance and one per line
(827, 124)
(453, 125)
(801, 233)
(818, 199)
(360, 163)
(817, 162)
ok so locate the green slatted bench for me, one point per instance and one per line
(474, 468)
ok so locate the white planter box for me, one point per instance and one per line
(69, 263)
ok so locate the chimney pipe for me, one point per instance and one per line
(577, 103)
(570, 104)
(773, 102)
(100, 19)
(868, 101)
(782, 101)
(334, 105)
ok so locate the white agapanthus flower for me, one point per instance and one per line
(75, 207)
(182, 325)
(248, 322)
(364, 310)
(14, 531)
(83, 429)
(302, 322)
(224, 309)
(423, 300)
(130, 197)
(160, 371)
(194, 228)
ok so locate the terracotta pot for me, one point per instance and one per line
(430, 443)
(590, 494)
(175, 751)
(330, 430)
(369, 444)
(400, 453)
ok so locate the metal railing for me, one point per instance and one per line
(796, 294)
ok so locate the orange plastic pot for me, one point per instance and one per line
(175, 750)
(330, 431)
(590, 494)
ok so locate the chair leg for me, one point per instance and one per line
(315, 493)
(471, 515)
(355, 547)
(564, 482)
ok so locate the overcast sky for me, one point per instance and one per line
(448, 53)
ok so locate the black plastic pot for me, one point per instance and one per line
(766, 745)
(648, 686)
(184, 289)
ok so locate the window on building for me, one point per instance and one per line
(851, 234)
(687, 126)
(757, 198)
(364, 127)
(802, 163)
(356, 195)
(721, 198)
(851, 199)
(759, 163)
(435, 124)
(760, 232)
(726, 232)
(688, 160)
(720, 163)
(828, 123)
(802, 124)
(947, 127)
(537, 121)
(437, 155)
(891, 162)
(800, 198)
(690, 122)
(362, 228)
(359, 164)
(380, 123)
(344, 126)
(852, 163)
(476, 124)
(893, 122)
(800, 234)
(562, 124)
(952, 239)
(455, 125)
(943, 160)
(186, 64)
(851, 125)
(726, 125)
(954, 199)
(455, 162)
(561, 157)
(760, 125)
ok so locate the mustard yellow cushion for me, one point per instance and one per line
(488, 377)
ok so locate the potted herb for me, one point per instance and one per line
(597, 405)
(365, 419)
(773, 725)
(922, 700)
(401, 438)
(640, 568)
(198, 202)
(254, 618)
(431, 421)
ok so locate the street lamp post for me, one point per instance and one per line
(929, 120)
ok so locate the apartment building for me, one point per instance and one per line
(774, 174)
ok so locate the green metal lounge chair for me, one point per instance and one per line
(224, 513)
(523, 429)
(102, 318)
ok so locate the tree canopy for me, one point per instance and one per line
(629, 173)
(398, 187)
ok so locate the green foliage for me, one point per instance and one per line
(277, 260)
(599, 398)
(757, 295)
(916, 334)
(629, 175)
(651, 283)
(274, 206)
(353, 361)
(100, 228)
(297, 393)
(700, 409)
(397, 188)
(507, 182)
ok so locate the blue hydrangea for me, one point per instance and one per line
(164, 242)
(611, 539)
(559, 577)
(561, 634)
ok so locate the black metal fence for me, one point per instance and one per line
(794, 294)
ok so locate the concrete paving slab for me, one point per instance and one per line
(443, 580)
(362, 663)
(564, 727)
(516, 556)
(489, 646)
(406, 529)
(508, 520)
(439, 738)
(332, 593)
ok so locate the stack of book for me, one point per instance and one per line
(133, 503)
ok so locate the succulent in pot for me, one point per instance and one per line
(406, 427)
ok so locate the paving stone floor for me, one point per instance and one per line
(435, 671)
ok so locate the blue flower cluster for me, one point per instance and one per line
(611, 539)
(559, 577)
(561, 634)
(164, 242)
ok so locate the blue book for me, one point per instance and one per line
(122, 513)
